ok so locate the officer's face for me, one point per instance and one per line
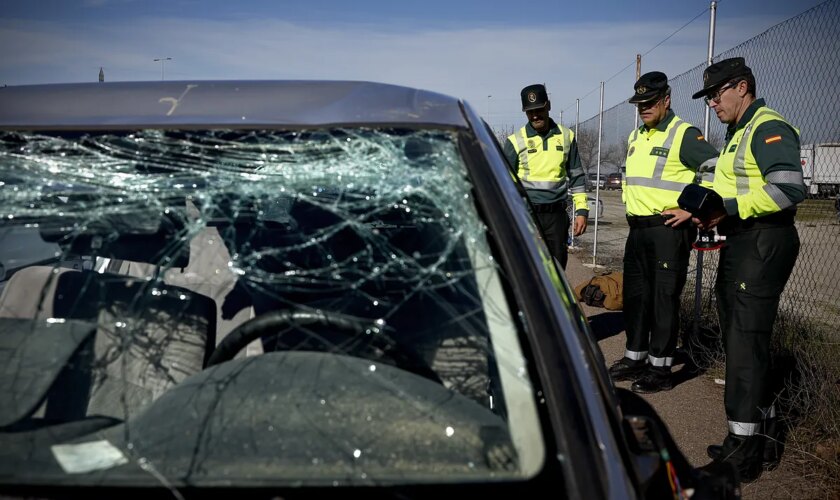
(726, 102)
(653, 112)
(538, 118)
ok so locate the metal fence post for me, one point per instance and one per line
(598, 176)
(572, 225)
(698, 278)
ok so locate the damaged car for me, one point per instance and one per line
(292, 289)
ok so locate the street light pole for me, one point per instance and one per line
(162, 61)
(488, 107)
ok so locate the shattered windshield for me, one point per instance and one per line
(250, 307)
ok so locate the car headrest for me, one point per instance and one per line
(131, 237)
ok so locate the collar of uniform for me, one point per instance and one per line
(661, 126)
(748, 115)
(552, 129)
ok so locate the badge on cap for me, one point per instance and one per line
(641, 90)
(532, 97)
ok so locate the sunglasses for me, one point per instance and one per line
(717, 95)
(649, 104)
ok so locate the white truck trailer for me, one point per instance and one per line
(821, 168)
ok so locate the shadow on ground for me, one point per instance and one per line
(688, 369)
(606, 325)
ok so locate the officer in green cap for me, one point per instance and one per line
(759, 177)
(545, 158)
(664, 155)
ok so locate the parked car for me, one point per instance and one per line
(613, 181)
(593, 180)
(282, 288)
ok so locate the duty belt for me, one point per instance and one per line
(733, 224)
(643, 221)
(545, 208)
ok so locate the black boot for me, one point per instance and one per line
(773, 445)
(628, 369)
(657, 378)
(744, 452)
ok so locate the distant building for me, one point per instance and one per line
(101, 74)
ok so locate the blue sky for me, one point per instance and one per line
(469, 49)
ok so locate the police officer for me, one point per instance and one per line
(664, 155)
(545, 157)
(759, 177)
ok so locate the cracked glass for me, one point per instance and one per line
(254, 307)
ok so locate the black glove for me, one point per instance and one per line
(700, 201)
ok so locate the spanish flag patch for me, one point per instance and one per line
(772, 139)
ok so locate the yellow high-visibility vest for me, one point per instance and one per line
(655, 175)
(738, 175)
(544, 166)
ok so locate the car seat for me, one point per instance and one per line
(149, 337)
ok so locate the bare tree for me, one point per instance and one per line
(587, 143)
(502, 133)
(616, 154)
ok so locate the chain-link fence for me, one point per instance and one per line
(797, 69)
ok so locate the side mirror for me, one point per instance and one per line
(659, 474)
(651, 459)
(661, 469)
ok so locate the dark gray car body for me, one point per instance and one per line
(580, 412)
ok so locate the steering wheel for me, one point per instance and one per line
(348, 327)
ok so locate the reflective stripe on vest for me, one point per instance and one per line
(655, 176)
(737, 174)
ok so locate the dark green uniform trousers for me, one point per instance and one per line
(555, 226)
(655, 267)
(754, 267)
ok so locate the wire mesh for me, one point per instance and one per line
(797, 68)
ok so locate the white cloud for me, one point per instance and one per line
(469, 63)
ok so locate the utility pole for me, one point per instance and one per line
(162, 61)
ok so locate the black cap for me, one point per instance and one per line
(649, 86)
(534, 97)
(721, 72)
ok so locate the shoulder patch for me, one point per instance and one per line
(772, 139)
(700, 137)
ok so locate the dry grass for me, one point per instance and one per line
(806, 367)
(811, 404)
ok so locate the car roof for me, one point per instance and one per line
(243, 104)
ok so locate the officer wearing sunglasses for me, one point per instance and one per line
(759, 177)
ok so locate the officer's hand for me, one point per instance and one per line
(679, 216)
(580, 225)
(710, 223)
